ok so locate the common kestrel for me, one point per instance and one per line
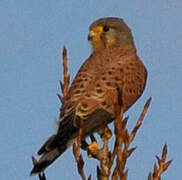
(93, 95)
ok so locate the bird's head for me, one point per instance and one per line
(110, 32)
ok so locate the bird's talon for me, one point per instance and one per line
(84, 145)
(93, 146)
(92, 137)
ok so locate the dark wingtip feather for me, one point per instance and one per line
(39, 167)
(48, 145)
(46, 159)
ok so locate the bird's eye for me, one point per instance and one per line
(105, 28)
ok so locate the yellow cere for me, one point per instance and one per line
(96, 30)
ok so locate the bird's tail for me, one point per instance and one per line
(50, 152)
(54, 146)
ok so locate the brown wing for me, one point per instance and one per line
(125, 72)
(79, 86)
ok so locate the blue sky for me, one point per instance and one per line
(32, 34)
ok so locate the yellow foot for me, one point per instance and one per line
(92, 149)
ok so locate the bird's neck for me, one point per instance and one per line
(124, 49)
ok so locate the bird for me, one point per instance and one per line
(93, 95)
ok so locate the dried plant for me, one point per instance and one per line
(66, 77)
(121, 150)
(76, 152)
(162, 165)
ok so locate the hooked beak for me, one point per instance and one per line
(89, 37)
(95, 32)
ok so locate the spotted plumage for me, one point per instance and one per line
(93, 95)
